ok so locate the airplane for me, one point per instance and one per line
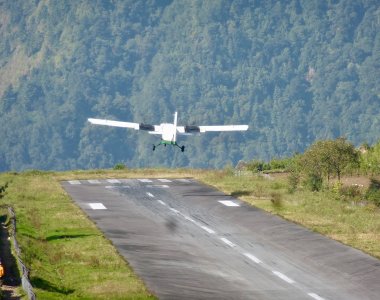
(169, 131)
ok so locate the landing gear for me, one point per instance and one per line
(173, 144)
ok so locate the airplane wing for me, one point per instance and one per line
(192, 129)
(153, 129)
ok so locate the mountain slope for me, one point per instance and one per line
(295, 71)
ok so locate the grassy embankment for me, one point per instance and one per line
(69, 258)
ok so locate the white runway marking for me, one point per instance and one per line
(189, 219)
(161, 202)
(150, 195)
(228, 242)
(253, 258)
(164, 186)
(283, 277)
(228, 203)
(74, 182)
(174, 210)
(164, 180)
(93, 181)
(315, 296)
(183, 180)
(113, 181)
(209, 230)
(97, 206)
(144, 180)
(110, 187)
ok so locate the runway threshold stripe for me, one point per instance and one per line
(144, 180)
(150, 195)
(93, 181)
(228, 203)
(113, 181)
(228, 242)
(283, 277)
(253, 258)
(74, 182)
(315, 296)
(97, 206)
(164, 180)
(184, 180)
(161, 202)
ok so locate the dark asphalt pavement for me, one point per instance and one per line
(189, 241)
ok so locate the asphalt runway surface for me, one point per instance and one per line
(189, 241)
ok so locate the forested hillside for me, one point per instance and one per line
(296, 71)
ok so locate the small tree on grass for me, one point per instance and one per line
(325, 159)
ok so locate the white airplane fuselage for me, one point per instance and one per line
(168, 133)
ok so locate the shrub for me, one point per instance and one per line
(373, 192)
(276, 199)
(293, 181)
(314, 182)
(120, 166)
(350, 193)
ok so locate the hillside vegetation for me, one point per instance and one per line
(296, 71)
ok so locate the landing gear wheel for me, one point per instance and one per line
(154, 147)
(183, 149)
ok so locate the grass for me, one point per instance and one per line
(69, 258)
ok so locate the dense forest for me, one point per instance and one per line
(296, 71)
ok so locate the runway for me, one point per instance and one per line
(189, 241)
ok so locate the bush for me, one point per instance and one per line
(120, 166)
(350, 193)
(373, 192)
(293, 181)
(276, 199)
(314, 182)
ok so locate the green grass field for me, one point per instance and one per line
(70, 259)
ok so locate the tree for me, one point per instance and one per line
(328, 158)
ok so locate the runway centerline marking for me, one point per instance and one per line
(161, 202)
(97, 206)
(315, 296)
(283, 277)
(75, 182)
(228, 203)
(209, 230)
(150, 195)
(228, 242)
(174, 210)
(252, 257)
